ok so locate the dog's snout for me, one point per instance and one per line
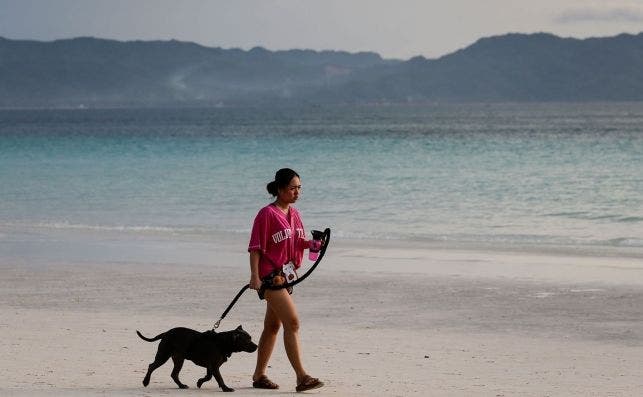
(251, 348)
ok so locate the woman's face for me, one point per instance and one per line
(289, 194)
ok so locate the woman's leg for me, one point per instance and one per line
(281, 304)
(271, 325)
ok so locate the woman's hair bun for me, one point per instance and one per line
(272, 188)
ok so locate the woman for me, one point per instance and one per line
(278, 238)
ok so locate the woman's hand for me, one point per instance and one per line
(255, 282)
(315, 245)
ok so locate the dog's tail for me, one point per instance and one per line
(157, 337)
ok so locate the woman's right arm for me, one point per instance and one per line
(255, 280)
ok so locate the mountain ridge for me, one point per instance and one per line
(97, 72)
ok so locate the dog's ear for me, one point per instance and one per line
(239, 328)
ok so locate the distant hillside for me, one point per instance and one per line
(96, 72)
(513, 67)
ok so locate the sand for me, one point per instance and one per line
(393, 320)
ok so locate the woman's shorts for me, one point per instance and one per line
(269, 281)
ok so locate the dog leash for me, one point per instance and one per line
(326, 239)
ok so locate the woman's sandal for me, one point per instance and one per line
(309, 383)
(264, 383)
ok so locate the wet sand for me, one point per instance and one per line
(389, 320)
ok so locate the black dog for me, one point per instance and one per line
(206, 349)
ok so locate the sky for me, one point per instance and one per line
(395, 29)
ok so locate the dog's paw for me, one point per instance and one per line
(227, 389)
(184, 387)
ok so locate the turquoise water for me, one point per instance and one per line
(502, 175)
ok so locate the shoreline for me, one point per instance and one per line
(204, 245)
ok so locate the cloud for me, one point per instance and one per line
(611, 15)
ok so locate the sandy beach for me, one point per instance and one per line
(392, 320)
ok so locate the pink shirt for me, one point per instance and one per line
(279, 237)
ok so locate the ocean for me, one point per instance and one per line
(83, 183)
